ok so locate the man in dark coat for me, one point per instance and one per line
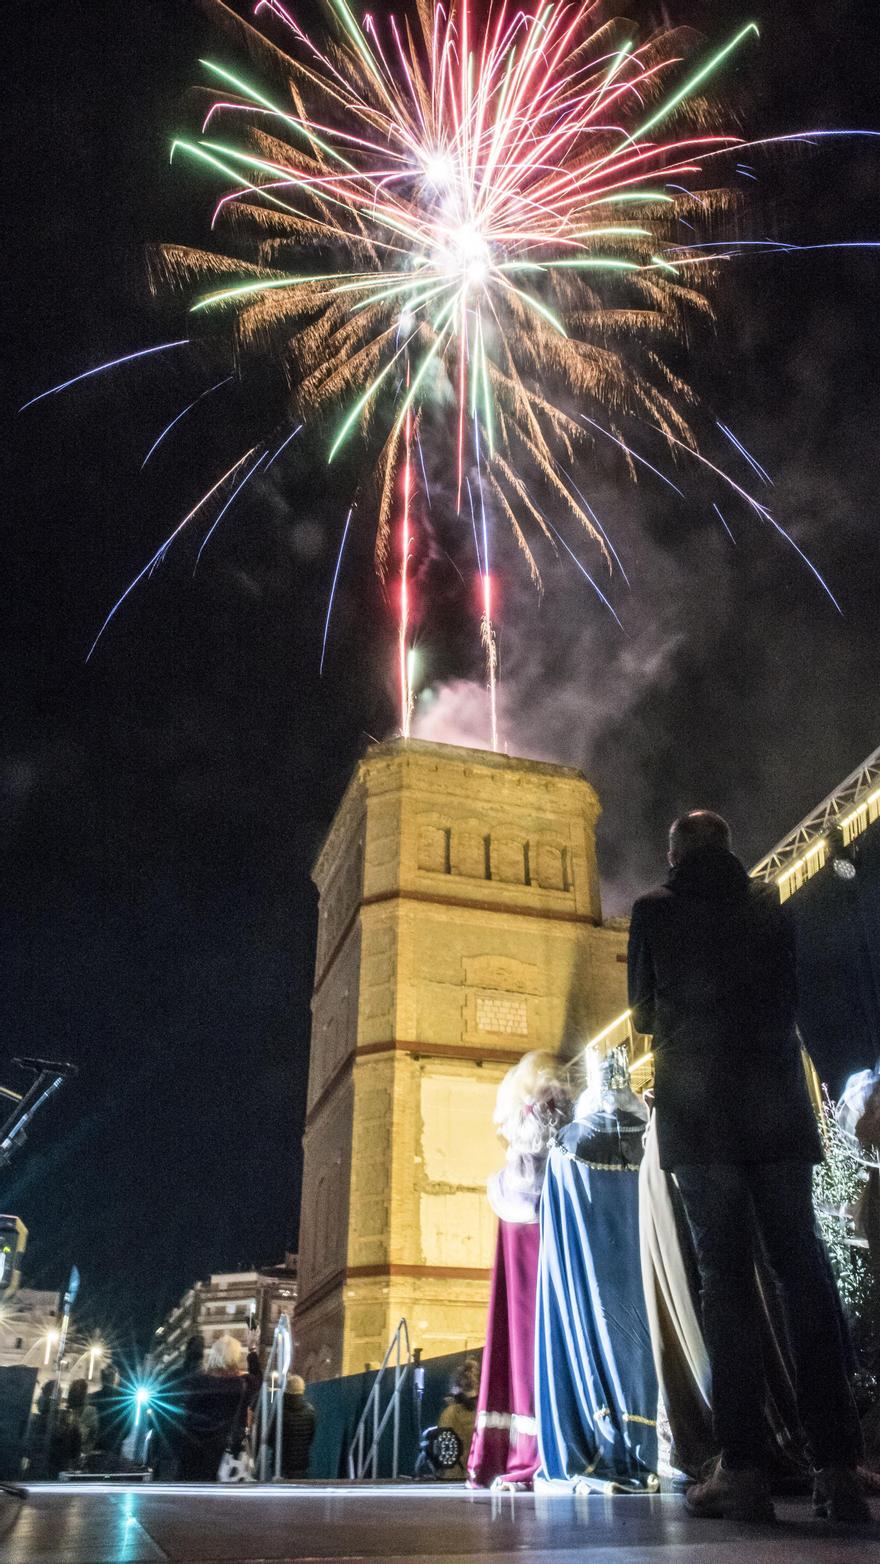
(712, 978)
(298, 1429)
(168, 1412)
(113, 1413)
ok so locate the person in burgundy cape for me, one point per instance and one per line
(533, 1102)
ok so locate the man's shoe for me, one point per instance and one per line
(738, 1495)
(837, 1494)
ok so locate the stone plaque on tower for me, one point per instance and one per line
(459, 926)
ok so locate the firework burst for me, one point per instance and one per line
(460, 229)
(481, 206)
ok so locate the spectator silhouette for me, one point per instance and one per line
(168, 1412)
(217, 1409)
(460, 1414)
(110, 1408)
(298, 1429)
(712, 977)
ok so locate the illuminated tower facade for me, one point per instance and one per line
(459, 926)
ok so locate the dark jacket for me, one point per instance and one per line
(66, 1443)
(712, 978)
(168, 1420)
(113, 1412)
(298, 1431)
(214, 1420)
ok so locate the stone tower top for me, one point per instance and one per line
(387, 759)
(459, 825)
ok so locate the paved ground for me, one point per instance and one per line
(67, 1525)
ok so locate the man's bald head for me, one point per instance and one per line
(700, 828)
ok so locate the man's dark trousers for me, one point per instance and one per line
(730, 1208)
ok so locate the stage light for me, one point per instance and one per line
(841, 854)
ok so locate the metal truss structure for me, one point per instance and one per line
(847, 811)
(852, 806)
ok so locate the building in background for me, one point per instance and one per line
(460, 925)
(243, 1304)
(30, 1326)
(30, 1329)
(30, 1322)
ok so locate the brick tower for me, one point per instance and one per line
(459, 926)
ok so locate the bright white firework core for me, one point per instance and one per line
(467, 254)
(439, 170)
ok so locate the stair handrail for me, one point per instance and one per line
(358, 1461)
(278, 1363)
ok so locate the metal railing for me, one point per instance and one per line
(359, 1458)
(270, 1405)
(854, 804)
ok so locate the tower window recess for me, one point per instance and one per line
(435, 849)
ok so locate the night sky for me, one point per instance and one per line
(161, 806)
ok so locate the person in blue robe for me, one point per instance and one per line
(596, 1386)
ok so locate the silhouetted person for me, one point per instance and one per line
(193, 1356)
(712, 978)
(255, 1375)
(217, 1407)
(168, 1412)
(460, 1414)
(298, 1429)
(38, 1432)
(867, 1132)
(111, 1409)
(80, 1423)
(64, 1430)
